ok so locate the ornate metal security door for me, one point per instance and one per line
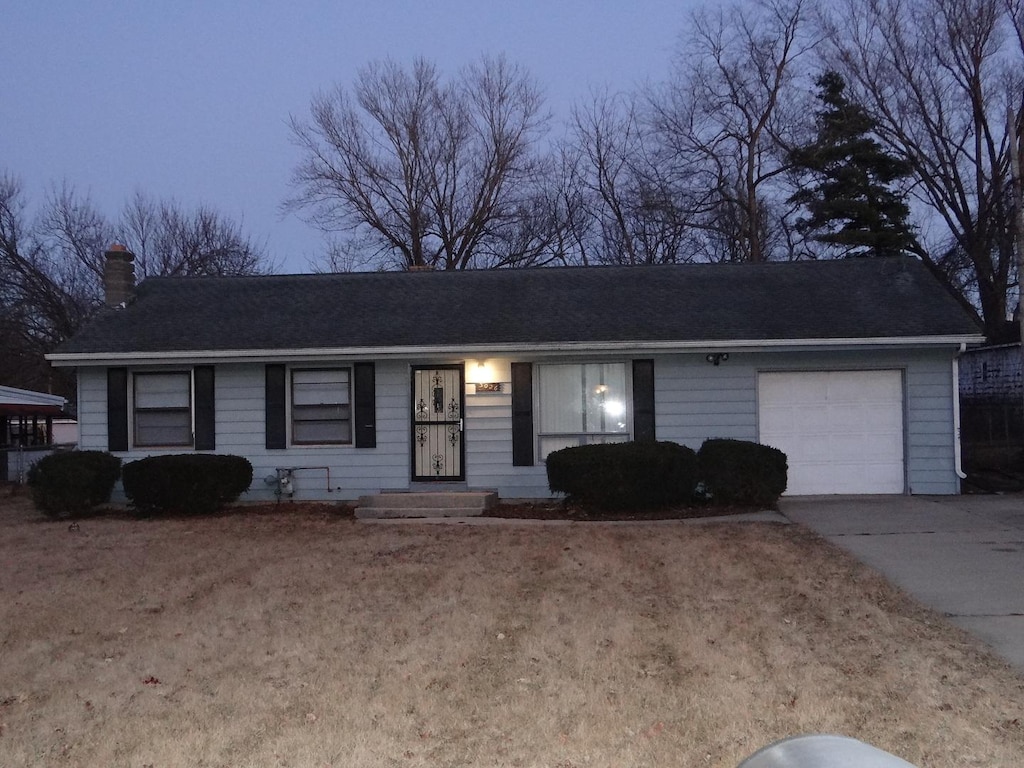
(437, 404)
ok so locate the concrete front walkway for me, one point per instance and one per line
(961, 555)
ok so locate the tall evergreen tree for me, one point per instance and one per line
(850, 203)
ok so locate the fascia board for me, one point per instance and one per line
(15, 396)
(475, 350)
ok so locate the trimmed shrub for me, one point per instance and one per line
(742, 473)
(185, 484)
(640, 475)
(73, 482)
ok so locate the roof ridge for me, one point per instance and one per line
(551, 269)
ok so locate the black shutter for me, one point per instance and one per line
(206, 432)
(117, 409)
(522, 414)
(275, 407)
(643, 400)
(365, 410)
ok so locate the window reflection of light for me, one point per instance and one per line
(614, 408)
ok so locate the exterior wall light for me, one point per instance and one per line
(483, 376)
(717, 357)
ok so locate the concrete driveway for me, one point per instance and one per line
(961, 555)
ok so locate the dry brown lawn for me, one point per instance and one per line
(301, 638)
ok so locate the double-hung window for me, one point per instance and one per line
(582, 404)
(321, 411)
(163, 409)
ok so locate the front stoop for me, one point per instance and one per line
(427, 504)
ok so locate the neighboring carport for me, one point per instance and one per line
(26, 427)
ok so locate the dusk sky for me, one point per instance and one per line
(191, 99)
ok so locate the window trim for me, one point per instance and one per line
(291, 406)
(190, 409)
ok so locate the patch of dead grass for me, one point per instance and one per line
(300, 638)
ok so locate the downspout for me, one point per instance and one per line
(957, 453)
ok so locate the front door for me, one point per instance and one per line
(437, 404)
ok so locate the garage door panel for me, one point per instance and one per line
(886, 476)
(824, 479)
(807, 450)
(865, 450)
(842, 431)
(805, 420)
(811, 391)
(848, 417)
(849, 389)
(885, 448)
(806, 391)
(859, 446)
(864, 386)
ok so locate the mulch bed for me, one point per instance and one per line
(539, 510)
(556, 510)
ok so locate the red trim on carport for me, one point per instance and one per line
(23, 409)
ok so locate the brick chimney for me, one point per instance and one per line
(118, 275)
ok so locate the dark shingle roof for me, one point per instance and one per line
(854, 298)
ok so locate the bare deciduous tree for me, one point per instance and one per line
(170, 241)
(626, 210)
(433, 173)
(728, 116)
(51, 266)
(51, 271)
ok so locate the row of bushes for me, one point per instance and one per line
(659, 474)
(78, 481)
(612, 476)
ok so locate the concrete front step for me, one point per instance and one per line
(413, 504)
(482, 499)
(377, 513)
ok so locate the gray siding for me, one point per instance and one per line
(352, 471)
(489, 439)
(240, 430)
(930, 439)
(92, 409)
(694, 401)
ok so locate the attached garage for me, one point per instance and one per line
(842, 431)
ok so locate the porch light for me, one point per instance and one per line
(477, 372)
(482, 376)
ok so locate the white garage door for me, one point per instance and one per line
(842, 431)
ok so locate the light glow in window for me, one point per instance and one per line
(582, 404)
